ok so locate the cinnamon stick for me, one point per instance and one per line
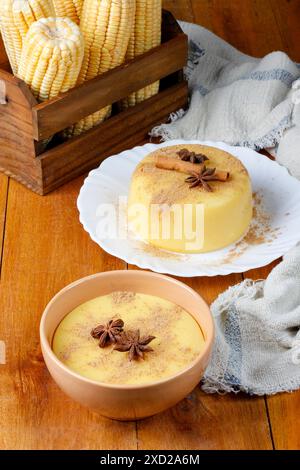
(171, 163)
(221, 175)
(175, 164)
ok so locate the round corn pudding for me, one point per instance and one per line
(180, 212)
(170, 338)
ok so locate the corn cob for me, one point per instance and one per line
(145, 36)
(16, 16)
(106, 26)
(51, 57)
(70, 8)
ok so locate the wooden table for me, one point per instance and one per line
(43, 247)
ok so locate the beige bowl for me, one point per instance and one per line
(126, 402)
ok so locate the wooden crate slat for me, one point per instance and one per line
(25, 124)
(57, 114)
(16, 90)
(122, 131)
(17, 150)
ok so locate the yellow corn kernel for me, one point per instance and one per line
(145, 36)
(106, 26)
(16, 16)
(70, 8)
(51, 57)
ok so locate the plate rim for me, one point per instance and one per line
(162, 268)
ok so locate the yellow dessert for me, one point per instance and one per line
(171, 209)
(178, 339)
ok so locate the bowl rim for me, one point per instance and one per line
(46, 346)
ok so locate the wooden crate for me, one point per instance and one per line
(25, 124)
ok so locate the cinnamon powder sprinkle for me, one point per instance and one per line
(260, 231)
(159, 252)
(120, 297)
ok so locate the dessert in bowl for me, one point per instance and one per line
(89, 339)
(128, 344)
(172, 183)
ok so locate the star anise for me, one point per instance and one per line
(192, 157)
(201, 178)
(108, 333)
(131, 341)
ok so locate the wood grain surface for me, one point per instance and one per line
(3, 200)
(45, 248)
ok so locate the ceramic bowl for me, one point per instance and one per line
(126, 402)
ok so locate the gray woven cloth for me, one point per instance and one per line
(251, 102)
(257, 346)
(238, 99)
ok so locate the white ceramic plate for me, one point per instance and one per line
(275, 227)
